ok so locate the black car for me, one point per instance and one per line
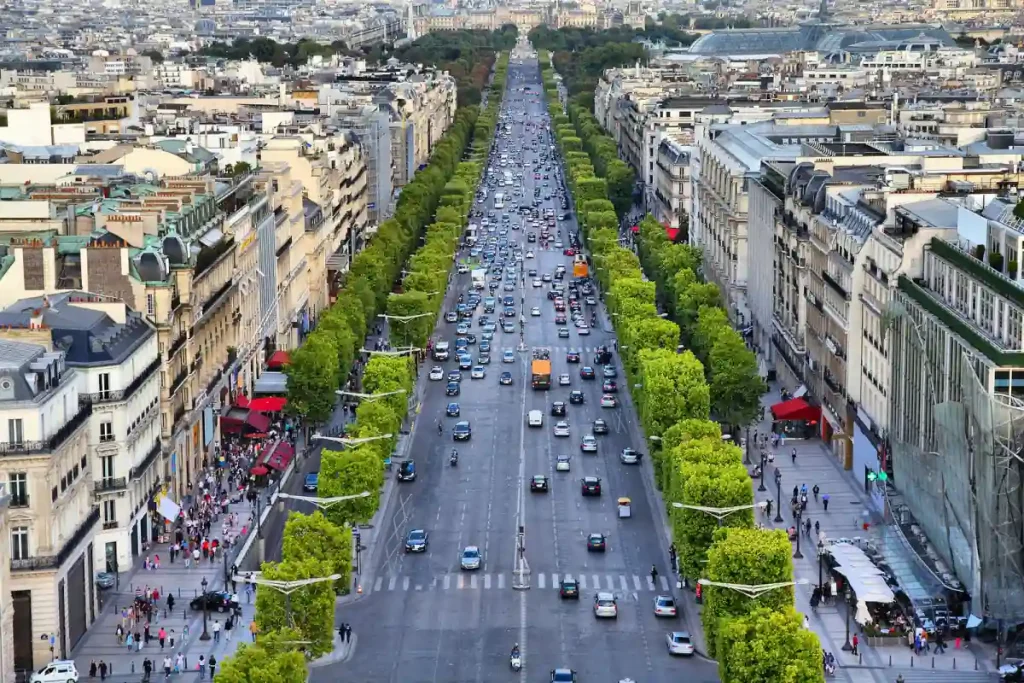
(587, 372)
(462, 431)
(568, 588)
(576, 397)
(600, 426)
(557, 409)
(407, 470)
(416, 541)
(505, 378)
(215, 601)
(539, 483)
(596, 543)
(609, 386)
(452, 389)
(590, 486)
(453, 409)
(572, 356)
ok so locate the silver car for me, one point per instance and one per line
(470, 558)
(561, 428)
(679, 643)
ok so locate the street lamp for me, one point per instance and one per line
(764, 463)
(396, 352)
(324, 503)
(799, 513)
(847, 647)
(369, 397)
(406, 318)
(746, 450)
(286, 588)
(753, 592)
(206, 611)
(778, 494)
(720, 513)
(821, 557)
(351, 442)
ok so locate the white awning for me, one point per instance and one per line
(270, 383)
(866, 580)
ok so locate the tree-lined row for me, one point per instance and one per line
(759, 639)
(320, 545)
(467, 55)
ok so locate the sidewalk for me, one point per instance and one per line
(100, 641)
(848, 510)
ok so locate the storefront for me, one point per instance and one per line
(796, 419)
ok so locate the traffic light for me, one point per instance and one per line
(879, 476)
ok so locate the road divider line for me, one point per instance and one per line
(405, 583)
(391, 583)
(378, 583)
(447, 582)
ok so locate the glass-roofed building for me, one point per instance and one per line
(827, 38)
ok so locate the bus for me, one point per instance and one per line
(499, 201)
(579, 266)
(540, 374)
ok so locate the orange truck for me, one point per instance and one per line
(540, 374)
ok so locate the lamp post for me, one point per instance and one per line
(746, 449)
(778, 494)
(720, 513)
(206, 611)
(821, 558)
(764, 463)
(753, 592)
(798, 555)
(324, 503)
(351, 442)
(286, 588)
(847, 647)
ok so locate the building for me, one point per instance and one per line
(51, 517)
(117, 361)
(961, 9)
(672, 187)
(6, 597)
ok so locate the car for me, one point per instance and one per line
(508, 356)
(471, 338)
(485, 343)
(596, 543)
(462, 329)
(483, 359)
(465, 362)
(532, 272)
(630, 456)
(407, 470)
(564, 380)
(576, 397)
(470, 558)
(452, 389)
(311, 482)
(507, 327)
(537, 283)
(572, 356)
(563, 332)
(562, 463)
(505, 378)
(529, 254)
(582, 329)
(557, 409)
(416, 541)
(600, 426)
(539, 482)
(561, 428)
(477, 372)
(664, 606)
(462, 431)
(587, 372)
(453, 409)
(546, 277)
(560, 308)
(605, 606)
(563, 676)
(609, 401)
(560, 320)
(568, 588)
(609, 386)
(105, 580)
(609, 372)
(436, 373)
(588, 444)
(451, 317)
(679, 643)
(454, 376)
(215, 601)
(590, 486)
(60, 671)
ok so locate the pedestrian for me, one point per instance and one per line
(768, 508)
(213, 666)
(130, 641)
(348, 633)
(147, 669)
(229, 626)
(103, 670)
(162, 637)
(341, 632)
(120, 634)
(201, 667)
(216, 631)
(793, 455)
(854, 641)
(170, 602)
(92, 669)
(179, 663)
(807, 623)
(815, 490)
(254, 629)
(824, 501)
(156, 562)
(167, 667)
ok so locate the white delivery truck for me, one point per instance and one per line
(479, 276)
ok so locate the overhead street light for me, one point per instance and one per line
(404, 318)
(324, 503)
(369, 397)
(286, 588)
(753, 592)
(396, 352)
(720, 513)
(351, 442)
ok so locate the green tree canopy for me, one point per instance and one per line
(273, 659)
(347, 473)
(313, 378)
(769, 645)
(311, 608)
(314, 536)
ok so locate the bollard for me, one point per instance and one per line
(179, 591)
(860, 658)
(975, 663)
(933, 661)
(911, 661)
(954, 663)
(890, 660)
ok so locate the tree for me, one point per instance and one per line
(313, 378)
(672, 438)
(714, 486)
(621, 181)
(347, 473)
(274, 659)
(315, 537)
(309, 610)
(769, 645)
(412, 332)
(711, 323)
(692, 298)
(750, 557)
(672, 389)
(736, 386)
(155, 55)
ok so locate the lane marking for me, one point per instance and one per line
(487, 582)
(391, 583)
(622, 583)
(378, 583)
(664, 582)
(472, 581)
(462, 581)
(501, 580)
(650, 584)
(583, 582)
(540, 580)
(611, 582)
(447, 581)
(636, 582)
(405, 583)
(597, 582)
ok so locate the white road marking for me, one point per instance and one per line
(583, 582)
(487, 582)
(405, 583)
(540, 580)
(650, 584)
(391, 583)
(663, 580)
(462, 581)
(597, 582)
(472, 581)
(501, 580)
(636, 582)
(622, 583)
(447, 581)
(378, 583)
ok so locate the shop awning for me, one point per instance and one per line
(273, 383)
(244, 420)
(795, 409)
(866, 579)
(671, 233)
(242, 401)
(278, 360)
(281, 457)
(268, 404)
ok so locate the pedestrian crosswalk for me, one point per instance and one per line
(616, 583)
(581, 349)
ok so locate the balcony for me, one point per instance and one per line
(110, 484)
(54, 442)
(177, 345)
(284, 247)
(178, 381)
(178, 414)
(153, 454)
(47, 562)
(128, 391)
(834, 284)
(209, 258)
(215, 301)
(112, 524)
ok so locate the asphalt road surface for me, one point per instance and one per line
(425, 620)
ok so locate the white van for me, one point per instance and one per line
(536, 418)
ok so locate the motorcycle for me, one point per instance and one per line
(453, 460)
(515, 661)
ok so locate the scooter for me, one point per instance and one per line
(516, 662)
(453, 460)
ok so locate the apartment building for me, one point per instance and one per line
(973, 9)
(115, 354)
(6, 598)
(51, 518)
(421, 112)
(672, 187)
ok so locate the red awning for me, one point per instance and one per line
(281, 457)
(242, 401)
(796, 409)
(244, 420)
(268, 404)
(278, 360)
(259, 470)
(635, 228)
(671, 233)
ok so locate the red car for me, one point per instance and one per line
(559, 306)
(569, 252)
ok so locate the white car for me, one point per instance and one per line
(583, 329)
(535, 311)
(537, 283)
(564, 379)
(561, 428)
(605, 606)
(470, 558)
(562, 463)
(679, 643)
(529, 254)
(477, 372)
(608, 401)
(436, 373)
(463, 269)
(664, 606)
(629, 456)
(57, 671)
(589, 444)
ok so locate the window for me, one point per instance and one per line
(106, 432)
(151, 304)
(17, 486)
(107, 466)
(15, 431)
(19, 543)
(104, 382)
(109, 512)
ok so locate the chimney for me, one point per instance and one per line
(36, 323)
